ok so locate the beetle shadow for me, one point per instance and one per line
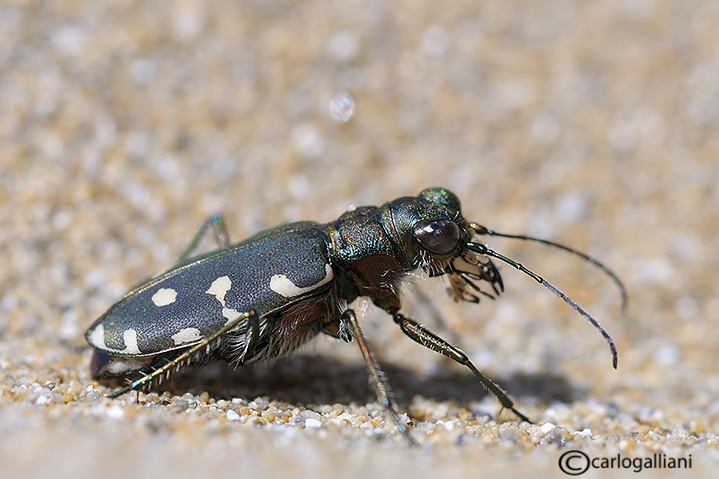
(319, 379)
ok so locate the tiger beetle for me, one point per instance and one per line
(264, 297)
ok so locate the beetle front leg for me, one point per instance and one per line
(377, 377)
(221, 236)
(428, 339)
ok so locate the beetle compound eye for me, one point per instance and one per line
(437, 236)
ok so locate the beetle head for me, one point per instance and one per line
(435, 236)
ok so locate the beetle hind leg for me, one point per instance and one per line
(377, 377)
(244, 350)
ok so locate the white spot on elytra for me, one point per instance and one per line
(164, 296)
(123, 365)
(219, 288)
(97, 337)
(283, 286)
(230, 314)
(186, 335)
(129, 336)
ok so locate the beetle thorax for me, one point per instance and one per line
(367, 254)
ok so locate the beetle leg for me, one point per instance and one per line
(221, 236)
(377, 377)
(177, 361)
(428, 339)
(251, 335)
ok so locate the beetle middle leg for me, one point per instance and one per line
(377, 377)
(221, 236)
(251, 336)
(428, 339)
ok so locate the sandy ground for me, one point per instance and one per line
(596, 124)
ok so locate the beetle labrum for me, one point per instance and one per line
(265, 296)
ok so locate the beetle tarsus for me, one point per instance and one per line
(377, 377)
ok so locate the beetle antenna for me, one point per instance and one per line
(483, 230)
(482, 249)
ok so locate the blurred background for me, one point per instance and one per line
(124, 125)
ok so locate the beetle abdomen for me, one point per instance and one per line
(179, 309)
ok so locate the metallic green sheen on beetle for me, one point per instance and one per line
(267, 295)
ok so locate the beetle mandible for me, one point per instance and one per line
(265, 296)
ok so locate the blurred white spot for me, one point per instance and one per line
(61, 220)
(69, 329)
(667, 355)
(210, 202)
(515, 93)
(11, 19)
(168, 168)
(702, 93)
(342, 107)
(52, 146)
(637, 8)
(232, 415)
(137, 144)
(69, 39)
(540, 226)
(545, 128)
(307, 140)
(105, 131)
(686, 246)
(571, 206)
(643, 124)
(188, 23)
(299, 187)
(435, 41)
(648, 414)
(686, 308)
(656, 271)
(343, 46)
(506, 313)
(94, 279)
(115, 412)
(143, 71)
(351, 207)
